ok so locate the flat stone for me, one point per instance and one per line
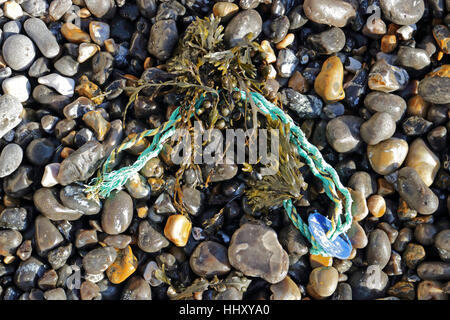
(255, 251)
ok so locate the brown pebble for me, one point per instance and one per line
(376, 205)
(413, 255)
(89, 290)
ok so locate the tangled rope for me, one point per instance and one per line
(106, 182)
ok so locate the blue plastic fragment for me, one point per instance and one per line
(319, 225)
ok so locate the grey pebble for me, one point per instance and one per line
(10, 113)
(343, 133)
(245, 22)
(305, 106)
(42, 37)
(66, 65)
(378, 128)
(19, 52)
(10, 159)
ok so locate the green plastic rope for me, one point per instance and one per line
(114, 180)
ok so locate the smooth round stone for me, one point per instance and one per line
(163, 39)
(100, 8)
(277, 29)
(40, 151)
(12, 10)
(386, 102)
(10, 159)
(62, 85)
(117, 213)
(378, 249)
(387, 78)
(336, 13)
(369, 283)
(28, 272)
(98, 260)
(73, 197)
(324, 281)
(136, 289)
(286, 289)
(415, 192)
(378, 128)
(46, 202)
(209, 259)
(387, 156)
(255, 251)
(434, 270)
(328, 42)
(17, 86)
(434, 88)
(42, 37)
(343, 133)
(328, 83)
(357, 236)
(14, 218)
(99, 32)
(46, 235)
(150, 239)
(423, 160)
(414, 58)
(58, 8)
(67, 66)
(442, 244)
(9, 241)
(245, 22)
(403, 12)
(18, 52)
(81, 164)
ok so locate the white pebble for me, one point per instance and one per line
(50, 173)
(63, 85)
(12, 10)
(86, 51)
(17, 86)
(406, 32)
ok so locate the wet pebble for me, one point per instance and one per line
(331, 12)
(388, 155)
(163, 38)
(98, 260)
(323, 281)
(117, 213)
(252, 246)
(378, 249)
(442, 244)
(209, 258)
(305, 106)
(245, 22)
(423, 160)
(150, 239)
(9, 241)
(328, 42)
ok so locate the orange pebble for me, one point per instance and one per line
(123, 267)
(66, 152)
(317, 260)
(376, 205)
(417, 106)
(388, 43)
(178, 229)
(286, 42)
